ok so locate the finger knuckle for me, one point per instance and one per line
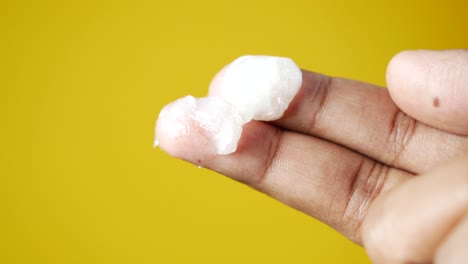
(367, 183)
(401, 133)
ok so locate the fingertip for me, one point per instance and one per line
(431, 87)
(182, 136)
(407, 79)
(178, 135)
(398, 65)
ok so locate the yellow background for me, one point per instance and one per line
(81, 85)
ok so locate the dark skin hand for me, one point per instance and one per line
(386, 168)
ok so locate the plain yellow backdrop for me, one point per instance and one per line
(82, 83)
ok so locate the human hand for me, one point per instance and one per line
(370, 162)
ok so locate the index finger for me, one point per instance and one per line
(363, 117)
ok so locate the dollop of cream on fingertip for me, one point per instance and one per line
(260, 87)
(251, 88)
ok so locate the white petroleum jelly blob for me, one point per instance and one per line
(218, 119)
(260, 87)
(251, 88)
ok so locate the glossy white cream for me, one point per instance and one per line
(251, 88)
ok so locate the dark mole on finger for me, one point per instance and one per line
(435, 102)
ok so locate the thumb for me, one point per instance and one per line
(432, 86)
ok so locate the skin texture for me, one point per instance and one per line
(386, 168)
